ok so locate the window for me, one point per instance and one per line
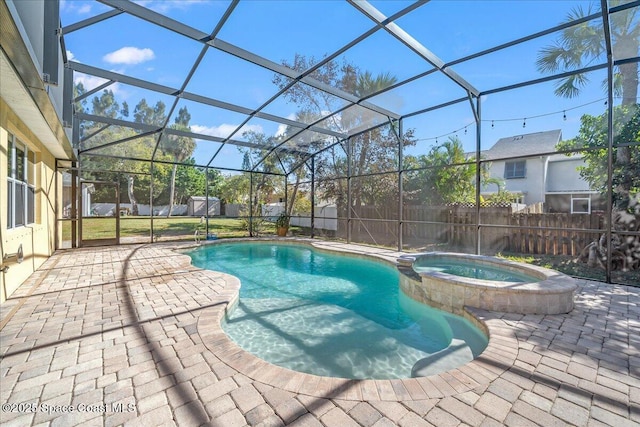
(515, 169)
(20, 184)
(580, 204)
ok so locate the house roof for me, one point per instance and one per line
(524, 145)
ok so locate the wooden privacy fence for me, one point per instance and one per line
(501, 229)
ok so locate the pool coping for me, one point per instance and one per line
(499, 355)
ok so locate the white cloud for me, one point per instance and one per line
(89, 82)
(129, 55)
(225, 129)
(282, 127)
(164, 6)
(281, 130)
(84, 9)
(80, 8)
(70, 55)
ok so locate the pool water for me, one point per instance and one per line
(335, 315)
(471, 270)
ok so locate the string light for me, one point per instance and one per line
(524, 121)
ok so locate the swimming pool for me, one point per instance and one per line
(335, 315)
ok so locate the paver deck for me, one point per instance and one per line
(130, 335)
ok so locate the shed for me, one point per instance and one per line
(197, 206)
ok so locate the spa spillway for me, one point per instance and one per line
(451, 281)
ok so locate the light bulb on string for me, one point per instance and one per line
(524, 122)
(564, 115)
(492, 124)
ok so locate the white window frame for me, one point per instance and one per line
(20, 185)
(582, 199)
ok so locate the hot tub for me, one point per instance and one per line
(451, 281)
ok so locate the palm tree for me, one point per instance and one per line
(578, 46)
(581, 44)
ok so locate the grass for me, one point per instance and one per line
(172, 228)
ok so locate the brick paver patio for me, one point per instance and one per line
(130, 335)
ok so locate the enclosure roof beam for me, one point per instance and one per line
(294, 75)
(121, 78)
(211, 40)
(544, 79)
(525, 39)
(392, 28)
(164, 162)
(178, 132)
(157, 19)
(155, 129)
(300, 125)
(102, 129)
(118, 122)
(119, 141)
(94, 90)
(436, 107)
(192, 71)
(190, 32)
(90, 21)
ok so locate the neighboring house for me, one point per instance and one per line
(32, 136)
(529, 167)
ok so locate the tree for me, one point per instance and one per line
(179, 148)
(190, 181)
(105, 105)
(134, 175)
(436, 181)
(577, 46)
(372, 151)
(592, 138)
(265, 183)
(583, 43)
(144, 113)
(235, 189)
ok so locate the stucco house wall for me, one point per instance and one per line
(531, 186)
(30, 111)
(564, 176)
(37, 239)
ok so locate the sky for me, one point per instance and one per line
(277, 30)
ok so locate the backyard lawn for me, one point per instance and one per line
(164, 228)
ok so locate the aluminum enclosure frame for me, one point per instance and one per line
(380, 23)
